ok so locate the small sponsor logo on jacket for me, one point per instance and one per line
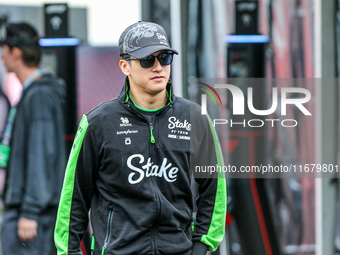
(125, 122)
(165, 170)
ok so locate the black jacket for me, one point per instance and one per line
(37, 161)
(135, 176)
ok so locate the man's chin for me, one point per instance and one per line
(156, 91)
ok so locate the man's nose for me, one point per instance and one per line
(157, 65)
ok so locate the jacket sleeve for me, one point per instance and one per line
(72, 218)
(209, 225)
(42, 185)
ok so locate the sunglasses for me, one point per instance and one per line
(164, 59)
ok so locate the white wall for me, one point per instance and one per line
(106, 18)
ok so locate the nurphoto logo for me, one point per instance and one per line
(279, 101)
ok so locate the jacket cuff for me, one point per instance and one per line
(30, 216)
(199, 248)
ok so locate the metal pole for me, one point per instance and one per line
(325, 122)
(175, 21)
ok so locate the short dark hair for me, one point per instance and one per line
(125, 56)
(23, 36)
(31, 56)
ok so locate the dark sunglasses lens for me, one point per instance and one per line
(165, 59)
(147, 62)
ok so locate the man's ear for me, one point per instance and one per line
(16, 52)
(125, 67)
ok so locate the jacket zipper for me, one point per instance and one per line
(151, 133)
(158, 203)
(108, 231)
(154, 188)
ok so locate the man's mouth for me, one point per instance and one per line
(157, 78)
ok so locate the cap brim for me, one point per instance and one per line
(146, 51)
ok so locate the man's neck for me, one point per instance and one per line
(24, 73)
(148, 101)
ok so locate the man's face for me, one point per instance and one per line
(8, 58)
(151, 80)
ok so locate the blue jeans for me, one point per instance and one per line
(42, 245)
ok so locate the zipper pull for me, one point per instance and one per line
(152, 137)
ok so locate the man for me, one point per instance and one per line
(130, 164)
(37, 159)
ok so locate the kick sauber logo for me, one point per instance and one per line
(125, 122)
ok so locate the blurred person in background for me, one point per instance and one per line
(4, 110)
(35, 147)
(5, 104)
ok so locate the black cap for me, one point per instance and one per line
(142, 39)
(18, 34)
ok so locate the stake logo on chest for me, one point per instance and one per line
(165, 170)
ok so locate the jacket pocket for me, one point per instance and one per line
(108, 231)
